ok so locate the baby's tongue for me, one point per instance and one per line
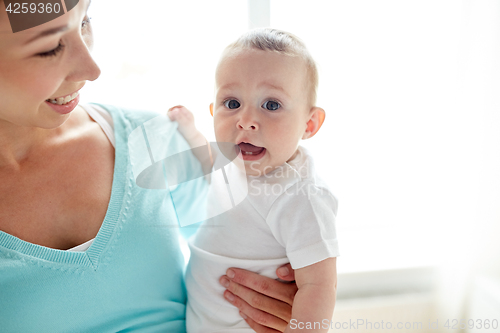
(249, 148)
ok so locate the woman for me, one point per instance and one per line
(66, 181)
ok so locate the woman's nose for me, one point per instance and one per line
(247, 120)
(84, 66)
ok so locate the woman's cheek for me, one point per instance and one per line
(46, 82)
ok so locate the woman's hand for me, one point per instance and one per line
(264, 303)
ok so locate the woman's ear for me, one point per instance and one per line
(317, 117)
(212, 109)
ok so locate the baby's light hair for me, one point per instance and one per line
(267, 39)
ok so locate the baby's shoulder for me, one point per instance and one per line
(303, 166)
(291, 195)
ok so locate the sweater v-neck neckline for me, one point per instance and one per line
(91, 256)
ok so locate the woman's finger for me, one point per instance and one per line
(259, 328)
(263, 285)
(260, 317)
(261, 303)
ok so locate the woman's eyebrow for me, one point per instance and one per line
(52, 31)
(48, 32)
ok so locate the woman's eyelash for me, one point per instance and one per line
(86, 22)
(60, 47)
(53, 52)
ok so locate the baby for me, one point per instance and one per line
(266, 86)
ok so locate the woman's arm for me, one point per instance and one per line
(264, 303)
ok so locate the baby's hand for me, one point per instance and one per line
(185, 119)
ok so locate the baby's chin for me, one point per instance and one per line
(257, 169)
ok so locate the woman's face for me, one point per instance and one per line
(48, 62)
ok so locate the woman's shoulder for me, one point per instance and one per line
(130, 117)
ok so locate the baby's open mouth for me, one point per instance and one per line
(250, 149)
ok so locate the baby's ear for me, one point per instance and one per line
(212, 109)
(316, 119)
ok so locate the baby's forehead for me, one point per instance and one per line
(290, 72)
(289, 65)
(242, 53)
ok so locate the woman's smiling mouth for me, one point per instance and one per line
(64, 104)
(63, 100)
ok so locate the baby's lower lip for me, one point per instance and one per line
(253, 157)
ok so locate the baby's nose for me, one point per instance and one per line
(246, 126)
(247, 121)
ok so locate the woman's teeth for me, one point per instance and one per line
(63, 100)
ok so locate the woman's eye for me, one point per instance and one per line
(232, 104)
(52, 52)
(271, 105)
(86, 22)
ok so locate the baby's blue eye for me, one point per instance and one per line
(232, 104)
(271, 105)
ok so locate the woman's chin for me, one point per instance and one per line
(49, 119)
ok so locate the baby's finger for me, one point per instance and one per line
(286, 272)
(172, 114)
(264, 285)
(258, 301)
(259, 328)
(176, 107)
(260, 317)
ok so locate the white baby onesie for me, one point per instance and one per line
(287, 216)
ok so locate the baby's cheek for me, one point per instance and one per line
(223, 128)
(219, 132)
(216, 126)
(283, 138)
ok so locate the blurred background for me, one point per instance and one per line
(410, 145)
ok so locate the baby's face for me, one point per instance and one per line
(261, 105)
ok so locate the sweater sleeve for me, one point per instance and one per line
(190, 196)
(162, 160)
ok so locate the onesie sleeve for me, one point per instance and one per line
(302, 220)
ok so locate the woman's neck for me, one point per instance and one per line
(18, 142)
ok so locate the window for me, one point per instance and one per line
(157, 54)
(402, 144)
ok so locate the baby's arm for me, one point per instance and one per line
(315, 299)
(194, 138)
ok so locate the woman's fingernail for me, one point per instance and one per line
(224, 282)
(229, 296)
(243, 315)
(230, 273)
(283, 271)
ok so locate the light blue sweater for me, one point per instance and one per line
(131, 277)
